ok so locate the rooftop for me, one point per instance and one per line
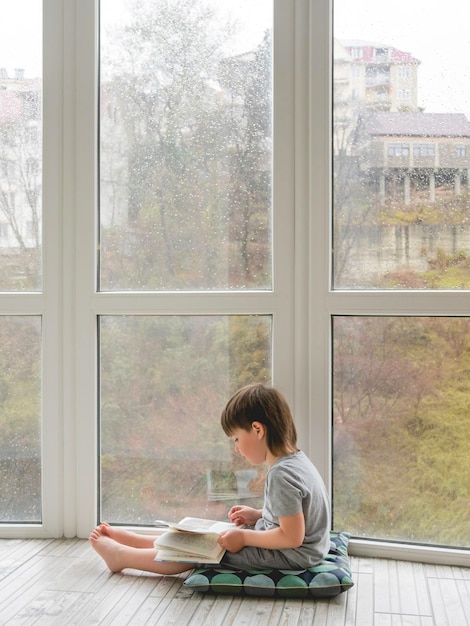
(416, 124)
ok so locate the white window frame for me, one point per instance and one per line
(324, 303)
(48, 303)
(89, 304)
(302, 303)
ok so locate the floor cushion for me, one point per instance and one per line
(330, 578)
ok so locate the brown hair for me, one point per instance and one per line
(260, 403)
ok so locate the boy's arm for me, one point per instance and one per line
(290, 534)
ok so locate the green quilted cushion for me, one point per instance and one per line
(330, 578)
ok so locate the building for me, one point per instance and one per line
(414, 151)
(378, 122)
(382, 78)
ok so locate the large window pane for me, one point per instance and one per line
(185, 145)
(20, 422)
(164, 382)
(401, 143)
(20, 145)
(402, 428)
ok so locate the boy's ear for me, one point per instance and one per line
(259, 428)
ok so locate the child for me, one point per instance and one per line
(292, 529)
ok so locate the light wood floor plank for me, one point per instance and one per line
(422, 591)
(448, 609)
(463, 587)
(217, 614)
(15, 552)
(337, 610)
(206, 610)
(351, 606)
(25, 583)
(48, 607)
(128, 604)
(277, 612)
(382, 598)
(365, 600)
(65, 583)
(148, 608)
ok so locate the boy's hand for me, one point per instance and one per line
(244, 515)
(232, 540)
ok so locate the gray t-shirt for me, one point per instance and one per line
(293, 484)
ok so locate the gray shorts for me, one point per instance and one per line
(262, 558)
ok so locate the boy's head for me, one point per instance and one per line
(261, 403)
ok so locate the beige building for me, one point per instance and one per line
(378, 123)
(381, 77)
(414, 151)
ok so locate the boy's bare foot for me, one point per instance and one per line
(121, 535)
(126, 537)
(108, 549)
(118, 556)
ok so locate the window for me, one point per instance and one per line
(398, 149)
(399, 328)
(20, 460)
(189, 297)
(81, 313)
(185, 194)
(22, 324)
(356, 53)
(356, 71)
(127, 335)
(404, 95)
(381, 55)
(423, 149)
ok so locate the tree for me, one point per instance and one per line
(195, 140)
(20, 186)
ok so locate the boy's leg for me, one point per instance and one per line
(118, 556)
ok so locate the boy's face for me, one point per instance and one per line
(251, 444)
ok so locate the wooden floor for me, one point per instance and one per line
(46, 582)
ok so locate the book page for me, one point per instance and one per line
(183, 557)
(204, 545)
(198, 525)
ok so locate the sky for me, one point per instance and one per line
(20, 36)
(252, 18)
(435, 32)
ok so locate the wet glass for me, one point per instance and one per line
(20, 419)
(164, 381)
(20, 146)
(185, 145)
(401, 146)
(401, 432)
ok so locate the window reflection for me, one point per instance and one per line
(20, 146)
(185, 146)
(401, 141)
(401, 432)
(20, 419)
(163, 384)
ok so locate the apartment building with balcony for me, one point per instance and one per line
(378, 122)
(383, 78)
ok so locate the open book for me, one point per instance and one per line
(192, 540)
